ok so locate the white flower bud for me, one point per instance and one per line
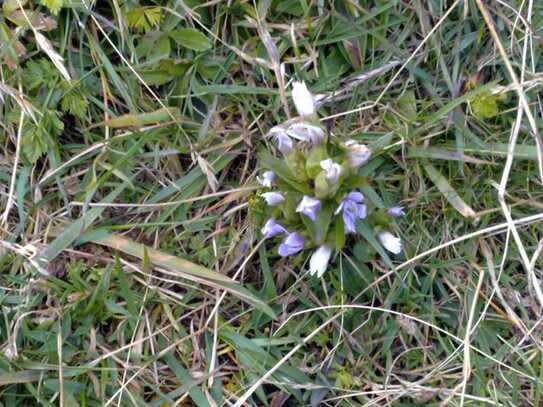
(319, 260)
(358, 154)
(303, 99)
(390, 242)
(333, 171)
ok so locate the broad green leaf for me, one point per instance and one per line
(339, 234)
(407, 105)
(319, 228)
(485, 105)
(283, 172)
(190, 38)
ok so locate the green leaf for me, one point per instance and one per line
(283, 172)
(407, 105)
(485, 105)
(153, 15)
(190, 384)
(339, 232)
(144, 18)
(40, 72)
(36, 138)
(319, 228)
(74, 103)
(438, 153)
(190, 38)
(313, 162)
(33, 143)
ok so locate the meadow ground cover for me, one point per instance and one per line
(138, 263)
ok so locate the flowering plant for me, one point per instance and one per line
(310, 198)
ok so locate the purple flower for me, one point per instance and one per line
(284, 142)
(306, 132)
(353, 209)
(273, 198)
(266, 179)
(332, 170)
(271, 228)
(396, 211)
(291, 244)
(309, 206)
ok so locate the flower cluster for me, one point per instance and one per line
(311, 194)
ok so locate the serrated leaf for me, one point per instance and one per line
(153, 15)
(143, 18)
(36, 136)
(40, 72)
(190, 38)
(33, 143)
(75, 104)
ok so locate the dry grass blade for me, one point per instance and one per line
(19, 98)
(53, 55)
(273, 53)
(466, 371)
(13, 179)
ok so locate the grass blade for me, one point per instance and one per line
(183, 269)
